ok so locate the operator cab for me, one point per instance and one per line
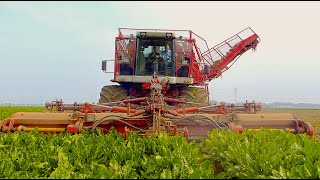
(155, 54)
(142, 54)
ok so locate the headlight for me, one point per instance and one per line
(168, 35)
(143, 34)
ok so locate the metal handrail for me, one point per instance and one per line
(230, 38)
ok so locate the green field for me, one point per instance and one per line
(253, 154)
(6, 111)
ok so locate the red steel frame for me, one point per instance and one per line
(197, 59)
(193, 59)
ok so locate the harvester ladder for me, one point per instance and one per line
(221, 55)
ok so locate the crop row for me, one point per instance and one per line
(264, 154)
(94, 155)
(6, 111)
(252, 154)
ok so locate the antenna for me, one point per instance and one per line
(235, 95)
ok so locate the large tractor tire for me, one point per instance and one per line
(112, 93)
(194, 94)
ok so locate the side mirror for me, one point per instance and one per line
(104, 65)
(206, 69)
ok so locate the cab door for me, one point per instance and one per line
(183, 51)
(125, 56)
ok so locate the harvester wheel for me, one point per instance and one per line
(194, 94)
(112, 93)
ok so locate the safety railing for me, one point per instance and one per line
(216, 53)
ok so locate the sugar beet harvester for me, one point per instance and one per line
(162, 78)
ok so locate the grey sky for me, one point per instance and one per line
(54, 50)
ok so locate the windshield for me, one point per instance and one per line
(155, 55)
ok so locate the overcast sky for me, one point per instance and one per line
(54, 50)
